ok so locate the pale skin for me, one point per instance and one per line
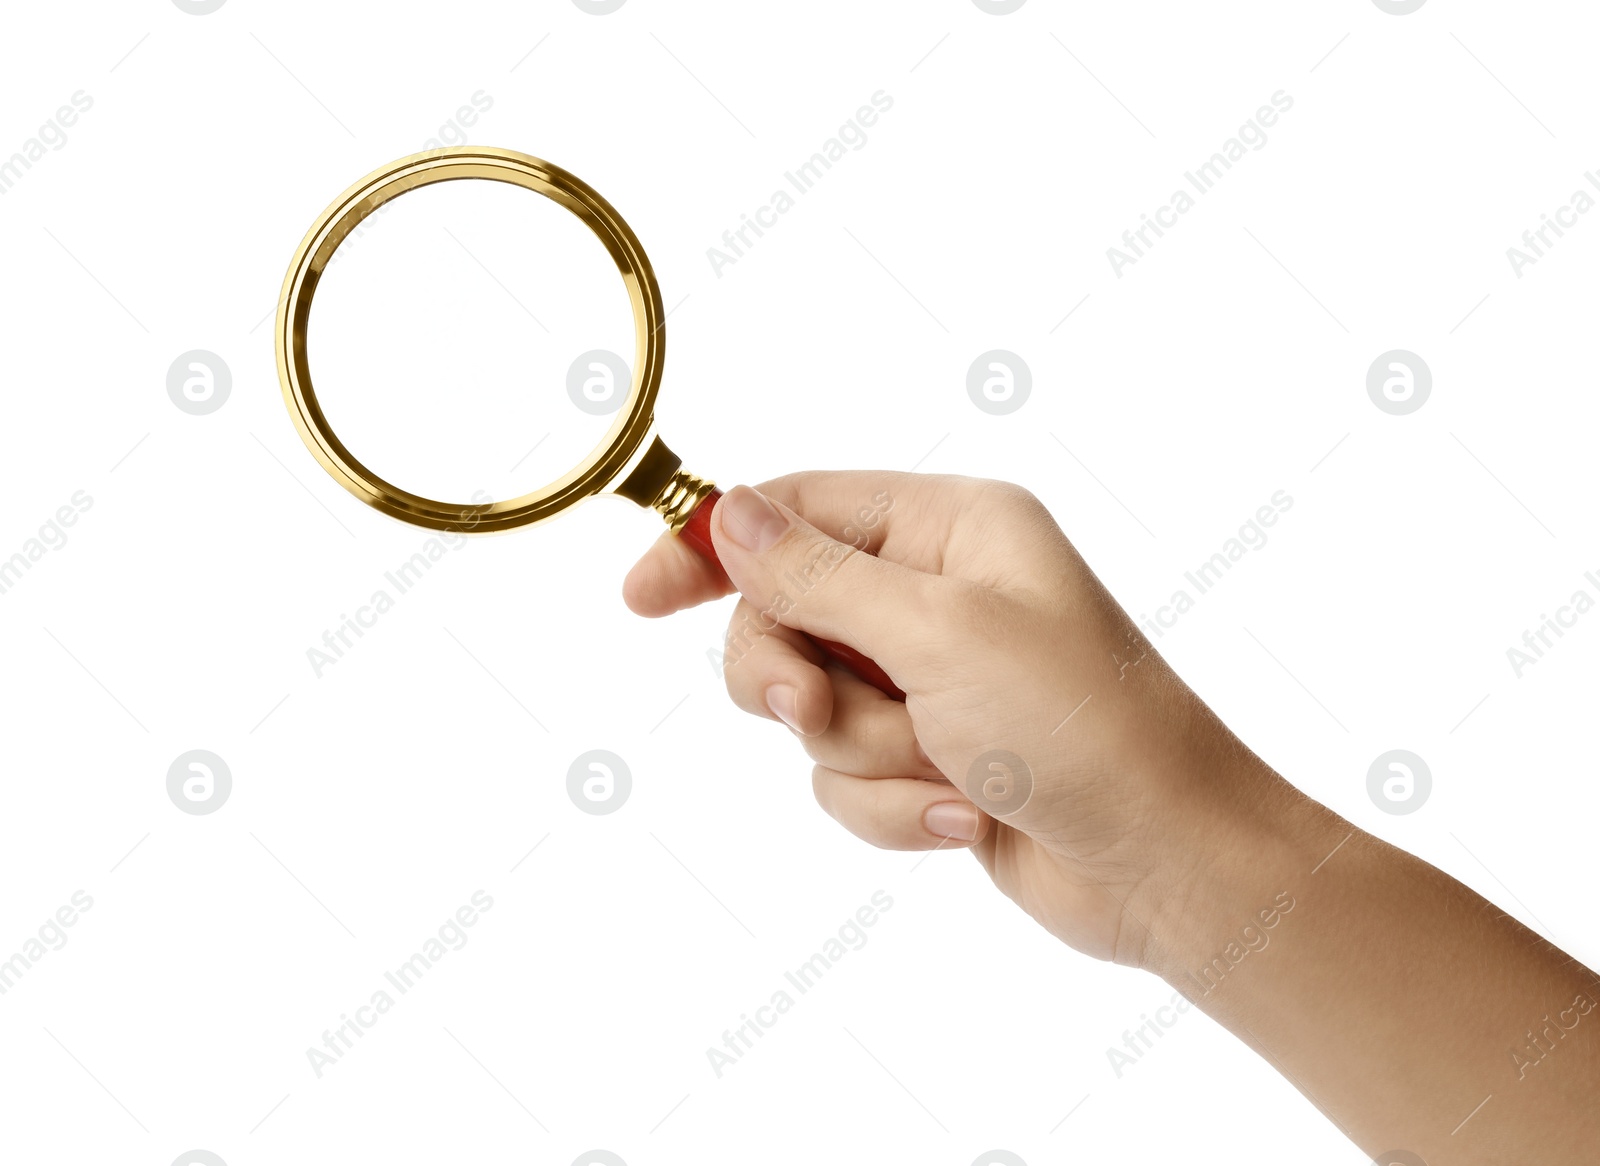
(1395, 998)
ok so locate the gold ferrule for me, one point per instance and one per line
(679, 497)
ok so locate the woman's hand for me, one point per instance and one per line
(1039, 727)
(1101, 794)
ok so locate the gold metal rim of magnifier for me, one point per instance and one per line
(333, 226)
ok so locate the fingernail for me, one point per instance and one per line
(783, 700)
(957, 821)
(922, 754)
(750, 520)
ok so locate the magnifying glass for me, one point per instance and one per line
(630, 459)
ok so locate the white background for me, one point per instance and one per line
(1167, 405)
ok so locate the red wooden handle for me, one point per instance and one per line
(697, 533)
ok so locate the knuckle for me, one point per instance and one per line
(868, 738)
(1009, 495)
(819, 570)
(819, 558)
(817, 749)
(856, 805)
(822, 789)
(881, 824)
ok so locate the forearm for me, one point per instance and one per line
(1413, 1012)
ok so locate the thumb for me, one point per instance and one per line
(800, 577)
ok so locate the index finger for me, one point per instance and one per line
(671, 576)
(851, 506)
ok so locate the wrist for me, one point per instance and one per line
(1236, 846)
